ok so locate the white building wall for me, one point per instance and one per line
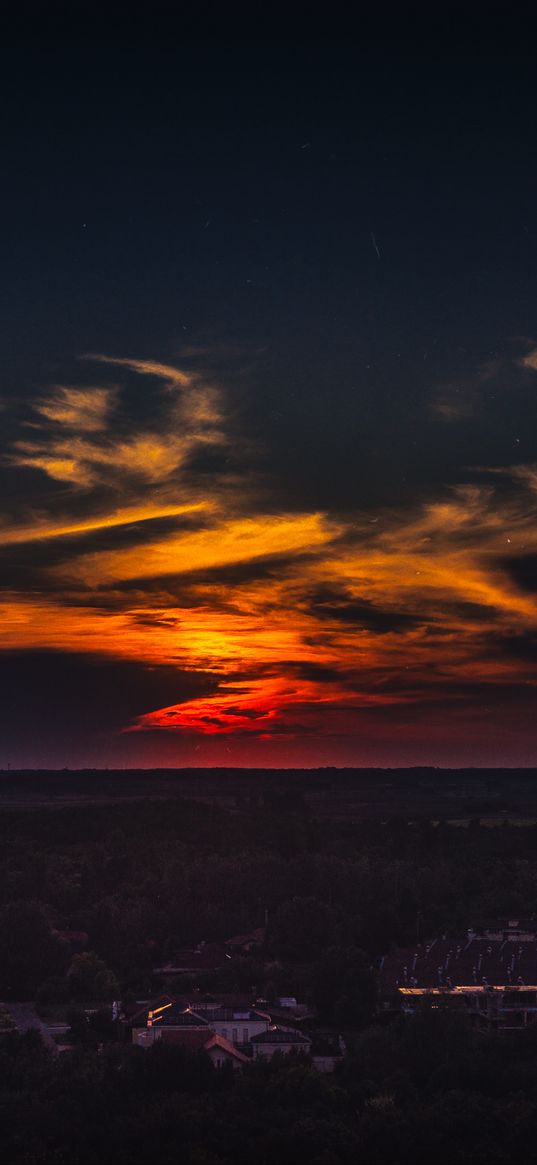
(244, 1028)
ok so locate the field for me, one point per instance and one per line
(345, 795)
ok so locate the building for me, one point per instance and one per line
(236, 1000)
(233, 1034)
(165, 1017)
(164, 1021)
(194, 1039)
(239, 1026)
(247, 944)
(222, 1052)
(204, 957)
(488, 975)
(287, 1012)
(278, 1039)
(135, 1015)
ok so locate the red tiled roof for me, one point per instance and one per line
(278, 1035)
(230, 1015)
(253, 937)
(169, 1013)
(220, 1042)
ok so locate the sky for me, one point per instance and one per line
(268, 394)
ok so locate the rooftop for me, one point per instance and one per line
(211, 1001)
(230, 1015)
(170, 1015)
(251, 938)
(278, 1035)
(220, 1042)
(463, 962)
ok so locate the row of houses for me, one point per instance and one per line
(488, 975)
(231, 1027)
(230, 1031)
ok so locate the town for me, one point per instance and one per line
(487, 977)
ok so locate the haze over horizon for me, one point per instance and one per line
(269, 404)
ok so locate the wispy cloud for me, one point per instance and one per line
(464, 399)
(81, 409)
(236, 541)
(42, 527)
(79, 442)
(529, 360)
(173, 377)
(308, 621)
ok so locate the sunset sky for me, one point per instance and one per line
(268, 400)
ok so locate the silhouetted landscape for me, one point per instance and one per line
(355, 795)
(278, 896)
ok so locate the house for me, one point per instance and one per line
(219, 1050)
(278, 1039)
(170, 1014)
(222, 1052)
(246, 944)
(195, 1039)
(135, 1015)
(287, 1012)
(236, 1000)
(506, 929)
(204, 957)
(488, 975)
(151, 1023)
(228, 1034)
(239, 1026)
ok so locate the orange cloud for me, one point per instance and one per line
(45, 528)
(322, 617)
(529, 360)
(171, 375)
(89, 451)
(236, 541)
(85, 409)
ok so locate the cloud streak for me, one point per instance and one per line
(78, 441)
(80, 409)
(172, 377)
(300, 624)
